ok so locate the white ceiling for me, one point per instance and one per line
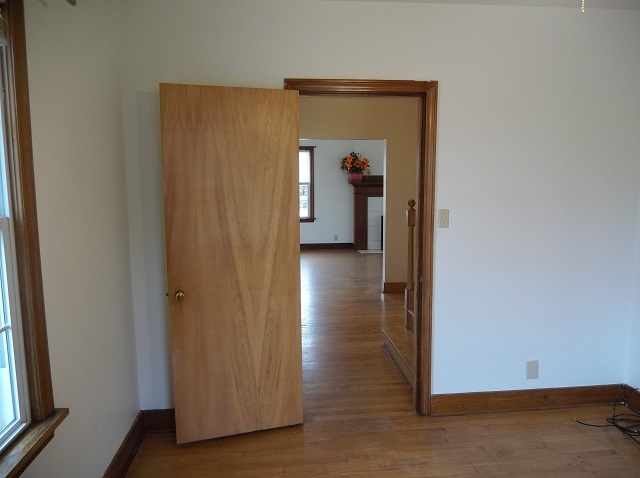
(616, 4)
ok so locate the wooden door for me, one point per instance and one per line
(230, 177)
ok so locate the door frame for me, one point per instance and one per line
(427, 91)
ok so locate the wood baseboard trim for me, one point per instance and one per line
(159, 421)
(393, 287)
(127, 451)
(164, 420)
(146, 422)
(533, 399)
(328, 245)
(631, 398)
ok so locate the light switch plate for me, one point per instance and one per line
(443, 218)
(532, 369)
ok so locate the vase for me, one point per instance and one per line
(354, 177)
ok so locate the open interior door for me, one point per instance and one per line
(230, 177)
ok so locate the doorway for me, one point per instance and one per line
(346, 372)
(426, 92)
(333, 225)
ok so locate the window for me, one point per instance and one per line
(22, 261)
(305, 171)
(14, 410)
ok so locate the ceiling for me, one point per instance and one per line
(614, 4)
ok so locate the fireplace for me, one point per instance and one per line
(370, 186)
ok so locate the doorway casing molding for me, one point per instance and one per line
(427, 91)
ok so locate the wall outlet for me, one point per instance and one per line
(335, 237)
(532, 369)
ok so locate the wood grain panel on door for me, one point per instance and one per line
(230, 175)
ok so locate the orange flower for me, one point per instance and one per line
(354, 163)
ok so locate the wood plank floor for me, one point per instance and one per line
(359, 420)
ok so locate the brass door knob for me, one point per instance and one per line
(179, 296)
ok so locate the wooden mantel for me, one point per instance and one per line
(369, 187)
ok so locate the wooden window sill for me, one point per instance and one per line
(17, 457)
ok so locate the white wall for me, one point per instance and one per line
(632, 376)
(76, 110)
(538, 116)
(375, 211)
(543, 198)
(333, 200)
(396, 119)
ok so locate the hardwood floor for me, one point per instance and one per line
(359, 419)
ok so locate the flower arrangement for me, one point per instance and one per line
(354, 163)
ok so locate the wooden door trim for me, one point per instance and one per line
(427, 91)
(335, 87)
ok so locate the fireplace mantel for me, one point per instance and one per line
(369, 187)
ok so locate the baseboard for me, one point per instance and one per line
(164, 421)
(328, 245)
(631, 397)
(520, 400)
(393, 287)
(127, 451)
(159, 421)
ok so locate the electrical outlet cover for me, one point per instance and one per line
(532, 369)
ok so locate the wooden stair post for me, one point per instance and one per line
(398, 338)
(409, 292)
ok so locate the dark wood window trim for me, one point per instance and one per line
(427, 91)
(44, 417)
(23, 451)
(312, 193)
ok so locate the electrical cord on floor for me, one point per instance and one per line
(627, 423)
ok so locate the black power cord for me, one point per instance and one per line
(627, 423)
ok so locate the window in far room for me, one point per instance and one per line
(305, 171)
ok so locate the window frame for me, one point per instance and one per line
(14, 338)
(311, 217)
(21, 188)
